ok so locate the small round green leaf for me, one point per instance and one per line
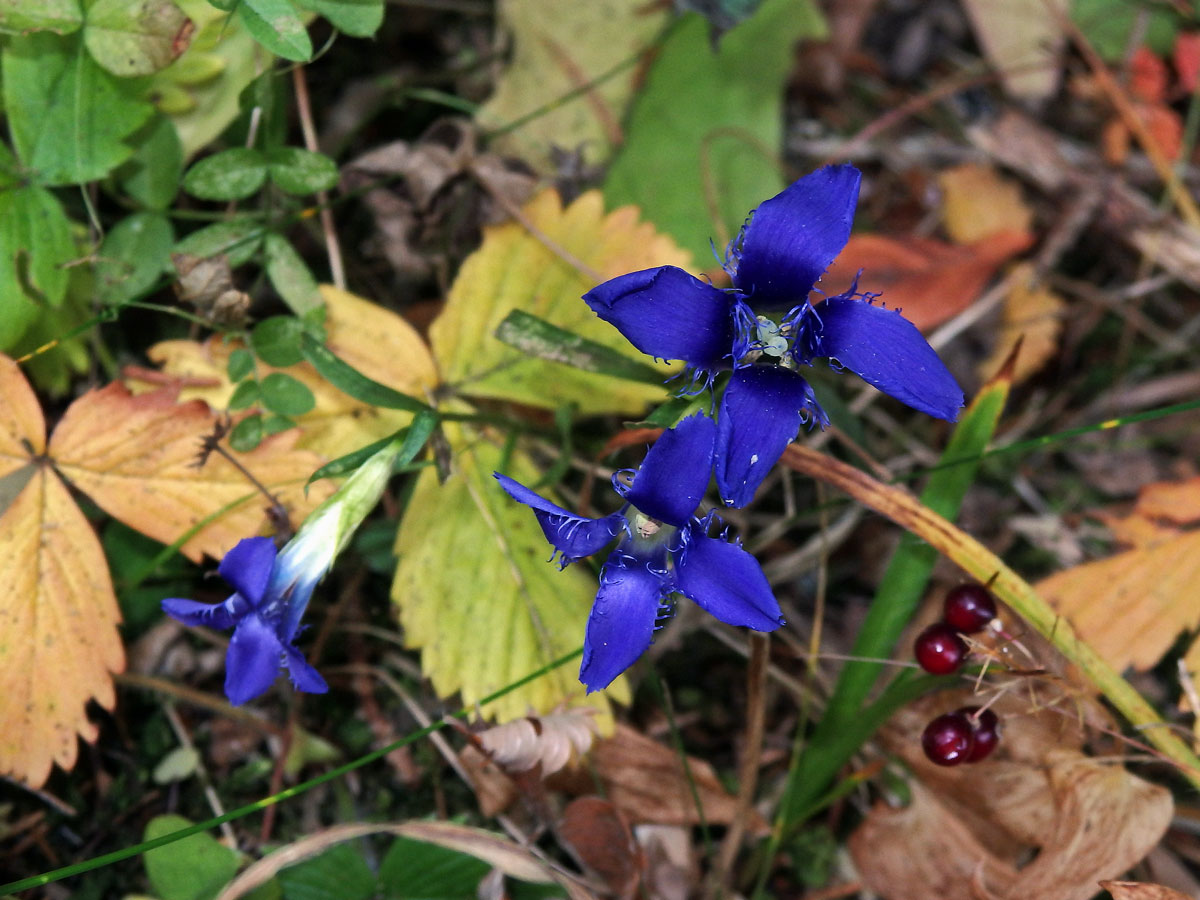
(241, 364)
(277, 341)
(277, 26)
(290, 276)
(237, 239)
(283, 394)
(301, 171)
(247, 434)
(276, 424)
(139, 38)
(245, 395)
(229, 175)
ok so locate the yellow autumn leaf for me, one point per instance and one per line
(136, 457)
(58, 614)
(557, 50)
(477, 594)
(515, 269)
(1032, 315)
(374, 340)
(978, 202)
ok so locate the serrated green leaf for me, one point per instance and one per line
(232, 174)
(194, 868)
(357, 18)
(513, 269)
(238, 239)
(277, 341)
(22, 16)
(290, 276)
(240, 364)
(340, 873)
(152, 174)
(300, 171)
(133, 257)
(415, 869)
(138, 38)
(473, 567)
(247, 434)
(284, 395)
(35, 246)
(277, 26)
(699, 127)
(68, 117)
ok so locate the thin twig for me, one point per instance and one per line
(210, 793)
(337, 269)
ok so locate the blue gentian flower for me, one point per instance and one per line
(271, 594)
(662, 548)
(765, 327)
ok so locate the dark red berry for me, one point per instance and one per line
(969, 607)
(939, 649)
(986, 726)
(949, 739)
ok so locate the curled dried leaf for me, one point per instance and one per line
(550, 740)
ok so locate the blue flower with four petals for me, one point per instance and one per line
(780, 254)
(662, 548)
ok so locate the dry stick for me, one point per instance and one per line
(906, 511)
(210, 792)
(196, 698)
(337, 269)
(756, 704)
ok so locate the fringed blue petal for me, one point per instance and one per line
(304, 676)
(668, 314)
(761, 412)
(252, 661)
(791, 239)
(676, 471)
(248, 567)
(621, 625)
(211, 615)
(725, 581)
(572, 536)
(886, 350)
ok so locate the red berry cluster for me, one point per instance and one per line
(968, 734)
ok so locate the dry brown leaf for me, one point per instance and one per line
(928, 280)
(647, 782)
(600, 838)
(58, 614)
(1032, 315)
(1139, 890)
(135, 456)
(978, 202)
(1135, 530)
(1131, 606)
(923, 851)
(1175, 501)
(394, 355)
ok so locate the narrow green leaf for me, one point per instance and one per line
(357, 18)
(232, 174)
(68, 117)
(896, 600)
(133, 256)
(22, 16)
(300, 171)
(131, 39)
(284, 395)
(350, 381)
(544, 340)
(277, 26)
(415, 436)
(277, 341)
(290, 276)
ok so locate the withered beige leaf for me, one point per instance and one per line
(550, 740)
(978, 202)
(1032, 315)
(1130, 607)
(136, 455)
(1140, 890)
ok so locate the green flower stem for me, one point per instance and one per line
(907, 512)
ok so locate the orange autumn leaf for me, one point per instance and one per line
(928, 280)
(58, 614)
(136, 457)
